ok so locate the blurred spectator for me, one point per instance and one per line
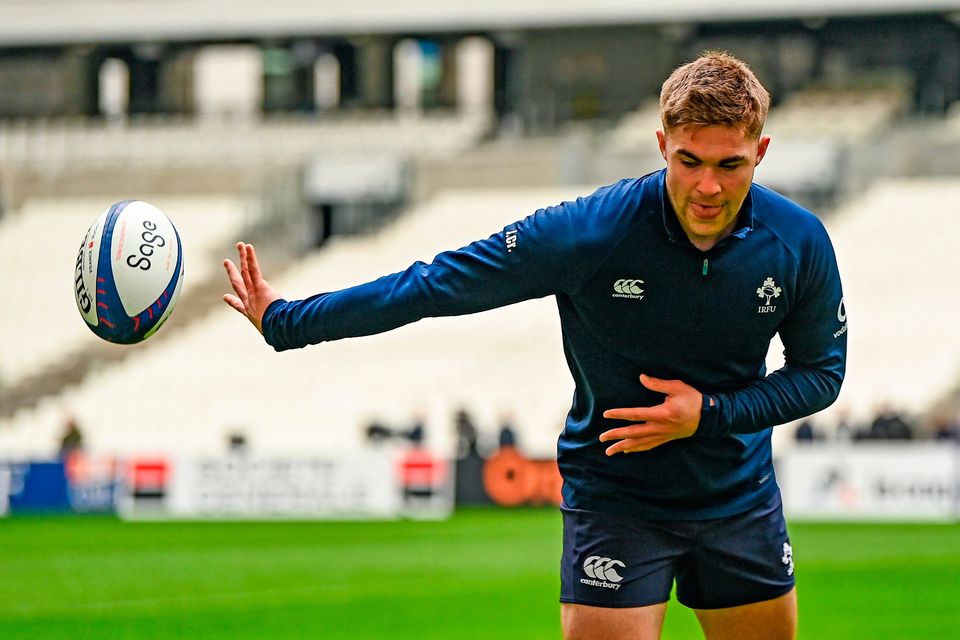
(237, 442)
(378, 432)
(508, 435)
(72, 439)
(466, 433)
(805, 432)
(416, 433)
(890, 425)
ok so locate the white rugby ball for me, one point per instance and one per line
(128, 272)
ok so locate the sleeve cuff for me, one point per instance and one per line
(267, 322)
(710, 426)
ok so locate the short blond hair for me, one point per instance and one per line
(715, 89)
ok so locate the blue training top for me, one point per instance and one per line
(635, 296)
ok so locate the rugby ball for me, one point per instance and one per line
(128, 272)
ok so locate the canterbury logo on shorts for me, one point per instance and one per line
(603, 572)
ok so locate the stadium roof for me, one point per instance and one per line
(37, 22)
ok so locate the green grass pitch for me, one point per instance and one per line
(485, 573)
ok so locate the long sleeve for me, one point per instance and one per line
(535, 257)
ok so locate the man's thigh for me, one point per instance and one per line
(774, 619)
(583, 622)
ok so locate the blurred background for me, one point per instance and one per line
(347, 140)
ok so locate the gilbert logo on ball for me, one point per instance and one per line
(128, 272)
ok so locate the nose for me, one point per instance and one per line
(708, 184)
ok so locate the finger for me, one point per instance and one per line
(235, 302)
(669, 387)
(637, 414)
(245, 266)
(621, 447)
(637, 432)
(620, 433)
(233, 273)
(632, 445)
(253, 264)
(235, 280)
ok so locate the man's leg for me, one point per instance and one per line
(582, 622)
(768, 620)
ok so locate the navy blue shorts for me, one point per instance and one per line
(614, 560)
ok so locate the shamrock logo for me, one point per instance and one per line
(768, 290)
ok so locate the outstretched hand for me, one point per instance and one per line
(253, 293)
(678, 416)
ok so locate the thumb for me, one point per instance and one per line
(669, 387)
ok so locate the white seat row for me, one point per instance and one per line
(166, 141)
(836, 115)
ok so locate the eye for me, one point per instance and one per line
(730, 166)
(689, 163)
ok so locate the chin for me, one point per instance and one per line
(703, 228)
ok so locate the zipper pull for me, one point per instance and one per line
(706, 265)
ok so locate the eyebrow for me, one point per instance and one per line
(730, 160)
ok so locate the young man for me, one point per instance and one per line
(669, 289)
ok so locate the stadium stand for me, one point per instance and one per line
(321, 398)
(86, 156)
(904, 346)
(813, 133)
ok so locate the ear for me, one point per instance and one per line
(762, 145)
(662, 142)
